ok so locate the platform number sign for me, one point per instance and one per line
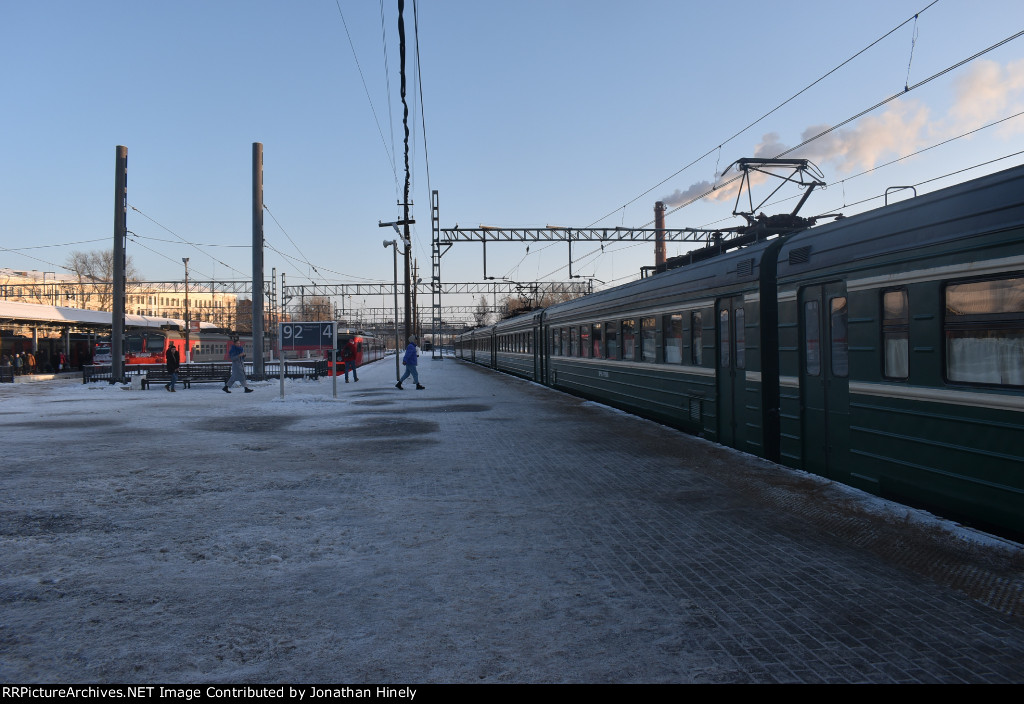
(307, 336)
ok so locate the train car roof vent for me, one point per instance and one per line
(800, 255)
(745, 267)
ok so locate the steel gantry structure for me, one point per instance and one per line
(442, 240)
(492, 288)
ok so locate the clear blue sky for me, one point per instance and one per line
(537, 112)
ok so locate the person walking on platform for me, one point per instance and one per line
(348, 358)
(237, 354)
(173, 362)
(409, 360)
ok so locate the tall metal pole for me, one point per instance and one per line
(398, 343)
(188, 319)
(405, 200)
(257, 260)
(273, 306)
(120, 237)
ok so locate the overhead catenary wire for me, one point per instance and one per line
(843, 182)
(355, 56)
(752, 124)
(630, 245)
(387, 83)
(185, 241)
(860, 114)
(770, 112)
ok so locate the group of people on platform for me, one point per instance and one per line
(236, 353)
(34, 362)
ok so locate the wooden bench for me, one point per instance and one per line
(189, 374)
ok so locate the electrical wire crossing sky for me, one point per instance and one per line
(522, 114)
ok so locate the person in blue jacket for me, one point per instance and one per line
(409, 360)
(237, 354)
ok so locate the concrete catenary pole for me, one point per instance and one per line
(257, 260)
(120, 236)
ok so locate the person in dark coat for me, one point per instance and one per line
(409, 360)
(173, 362)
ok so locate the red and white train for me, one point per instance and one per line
(149, 346)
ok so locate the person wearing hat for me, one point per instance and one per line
(409, 360)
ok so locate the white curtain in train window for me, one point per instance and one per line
(696, 339)
(648, 339)
(979, 358)
(896, 334)
(985, 332)
(672, 326)
(897, 356)
(628, 327)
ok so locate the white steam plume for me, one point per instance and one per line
(985, 92)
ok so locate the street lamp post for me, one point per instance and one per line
(394, 245)
(188, 323)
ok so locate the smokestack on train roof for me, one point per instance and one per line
(659, 238)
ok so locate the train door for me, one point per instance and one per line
(536, 346)
(824, 379)
(731, 363)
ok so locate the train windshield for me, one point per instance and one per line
(102, 355)
(147, 343)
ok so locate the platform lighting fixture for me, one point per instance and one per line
(394, 244)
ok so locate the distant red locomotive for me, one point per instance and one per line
(149, 345)
(368, 348)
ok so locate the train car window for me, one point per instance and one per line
(566, 344)
(574, 337)
(723, 338)
(739, 318)
(840, 352)
(984, 330)
(598, 341)
(585, 345)
(611, 340)
(812, 339)
(696, 338)
(648, 332)
(556, 342)
(628, 328)
(896, 334)
(672, 335)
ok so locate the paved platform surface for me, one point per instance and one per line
(483, 530)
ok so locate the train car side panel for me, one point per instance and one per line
(935, 291)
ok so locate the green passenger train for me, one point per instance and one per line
(883, 350)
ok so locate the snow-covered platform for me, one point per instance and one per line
(482, 530)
